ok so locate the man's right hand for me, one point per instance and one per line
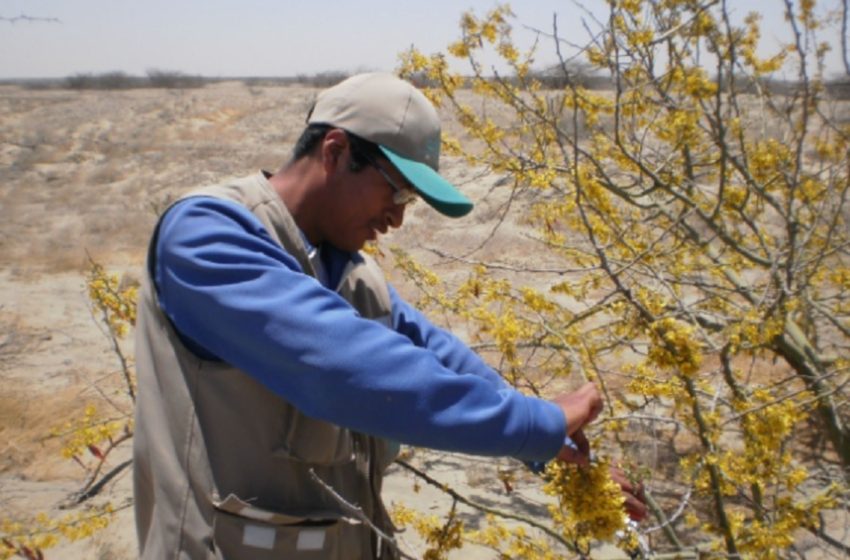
(580, 408)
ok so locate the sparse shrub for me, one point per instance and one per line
(166, 79)
(170, 79)
(571, 74)
(107, 80)
(322, 79)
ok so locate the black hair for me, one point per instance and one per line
(309, 139)
(363, 152)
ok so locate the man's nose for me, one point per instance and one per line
(395, 217)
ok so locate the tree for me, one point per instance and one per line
(698, 214)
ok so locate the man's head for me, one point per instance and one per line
(391, 114)
(341, 189)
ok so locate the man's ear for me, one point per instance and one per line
(334, 146)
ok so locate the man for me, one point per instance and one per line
(274, 360)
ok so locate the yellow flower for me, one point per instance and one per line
(590, 503)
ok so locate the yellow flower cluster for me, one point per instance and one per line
(33, 535)
(674, 345)
(84, 435)
(513, 542)
(748, 45)
(831, 147)
(477, 32)
(441, 535)
(768, 160)
(649, 383)
(678, 126)
(426, 280)
(753, 331)
(509, 541)
(840, 276)
(762, 468)
(590, 503)
(768, 424)
(115, 302)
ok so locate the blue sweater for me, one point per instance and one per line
(234, 294)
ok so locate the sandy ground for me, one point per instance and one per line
(84, 174)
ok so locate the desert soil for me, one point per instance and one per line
(83, 175)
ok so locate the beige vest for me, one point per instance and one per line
(222, 465)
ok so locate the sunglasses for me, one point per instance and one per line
(401, 195)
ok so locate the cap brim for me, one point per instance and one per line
(435, 190)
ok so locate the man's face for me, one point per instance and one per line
(364, 203)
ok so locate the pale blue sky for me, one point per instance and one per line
(267, 37)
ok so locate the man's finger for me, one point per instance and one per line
(572, 455)
(635, 507)
(581, 442)
(580, 407)
(619, 476)
(632, 492)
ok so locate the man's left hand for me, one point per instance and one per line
(632, 492)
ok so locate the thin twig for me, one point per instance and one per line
(358, 513)
(92, 485)
(464, 500)
(94, 489)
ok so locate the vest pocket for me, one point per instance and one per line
(317, 442)
(244, 531)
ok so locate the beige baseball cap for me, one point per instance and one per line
(396, 116)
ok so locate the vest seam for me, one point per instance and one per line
(186, 453)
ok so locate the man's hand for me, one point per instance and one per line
(576, 450)
(633, 493)
(580, 408)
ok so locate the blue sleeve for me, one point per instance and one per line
(227, 286)
(449, 350)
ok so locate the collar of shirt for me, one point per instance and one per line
(314, 253)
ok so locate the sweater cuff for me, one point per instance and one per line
(546, 431)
